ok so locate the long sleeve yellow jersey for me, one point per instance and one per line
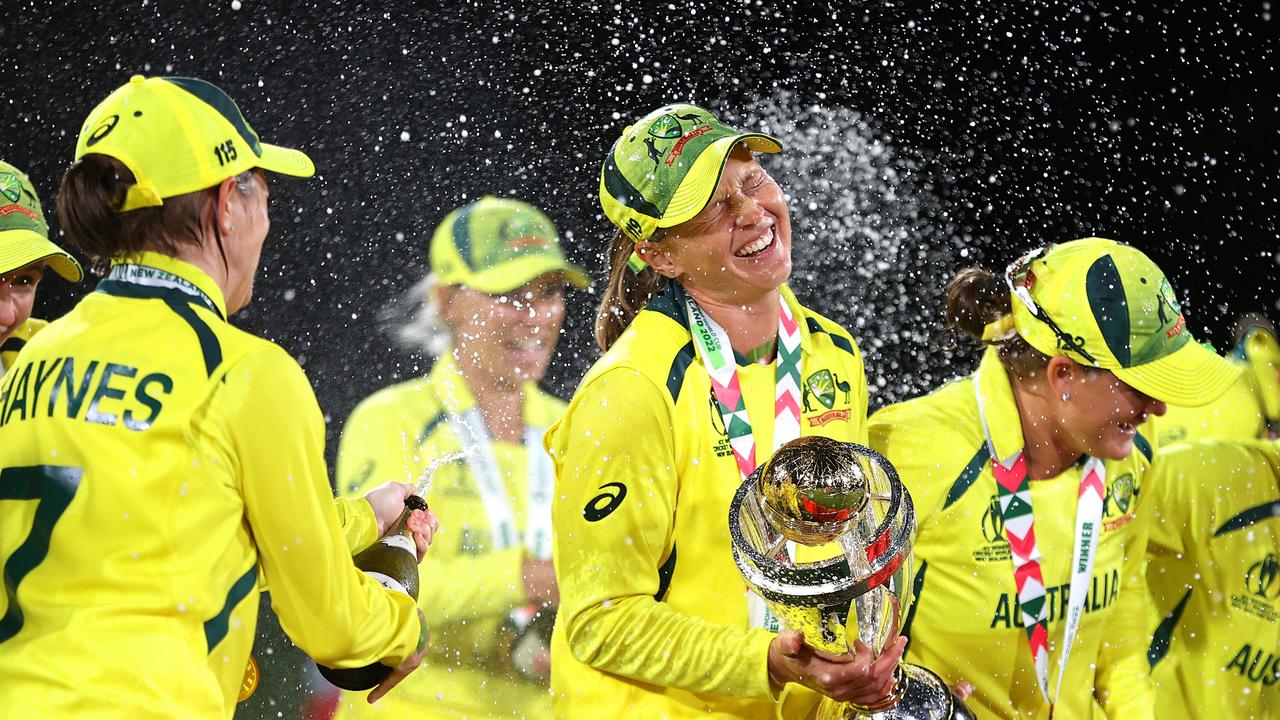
(653, 618)
(1215, 575)
(966, 623)
(469, 585)
(156, 463)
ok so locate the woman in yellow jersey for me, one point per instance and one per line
(158, 463)
(1027, 479)
(25, 253)
(1215, 575)
(1214, 534)
(490, 313)
(710, 364)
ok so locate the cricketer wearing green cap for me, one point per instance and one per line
(490, 313)
(25, 250)
(710, 364)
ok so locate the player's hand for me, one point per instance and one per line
(858, 677)
(540, 582)
(387, 501)
(403, 670)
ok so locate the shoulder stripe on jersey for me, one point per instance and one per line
(1163, 635)
(679, 366)
(209, 345)
(430, 427)
(968, 476)
(669, 301)
(13, 344)
(1143, 445)
(1249, 517)
(916, 587)
(840, 341)
(664, 575)
(215, 628)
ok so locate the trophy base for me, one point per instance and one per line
(922, 696)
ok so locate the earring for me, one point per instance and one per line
(1065, 397)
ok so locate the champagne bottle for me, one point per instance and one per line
(393, 563)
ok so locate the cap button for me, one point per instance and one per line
(136, 79)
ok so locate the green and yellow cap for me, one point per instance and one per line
(665, 167)
(179, 135)
(495, 245)
(1106, 304)
(24, 233)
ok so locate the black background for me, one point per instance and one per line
(1011, 125)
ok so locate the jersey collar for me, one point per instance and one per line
(999, 409)
(450, 387)
(669, 301)
(184, 270)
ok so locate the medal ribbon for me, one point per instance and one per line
(717, 358)
(483, 464)
(1014, 488)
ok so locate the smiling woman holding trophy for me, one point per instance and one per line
(709, 360)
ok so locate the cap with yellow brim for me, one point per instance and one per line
(178, 135)
(1106, 304)
(24, 233)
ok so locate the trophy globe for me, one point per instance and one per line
(842, 508)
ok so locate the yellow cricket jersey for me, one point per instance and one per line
(1215, 574)
(966, 623)
(468, 586)
(653, 617)
(1238, 414)
(155, 464)
(17, 340)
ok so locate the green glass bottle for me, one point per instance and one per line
(393, 562)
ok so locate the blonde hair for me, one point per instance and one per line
(414, 319)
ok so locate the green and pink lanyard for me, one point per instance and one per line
(1014, 490)
(722, 368)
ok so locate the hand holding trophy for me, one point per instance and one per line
(816, 491)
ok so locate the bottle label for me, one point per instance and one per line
(402, 542)
(387, 581)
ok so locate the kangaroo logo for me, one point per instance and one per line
(1260, 580)
(654, 153)
(993, 522)
(717, 420)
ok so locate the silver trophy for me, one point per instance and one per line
(816, 491)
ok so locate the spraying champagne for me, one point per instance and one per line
(393, 563)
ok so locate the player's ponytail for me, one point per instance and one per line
(93, 189)
(975, 297)
(626, 293)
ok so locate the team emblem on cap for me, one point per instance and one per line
(10, 187)
(666, 127)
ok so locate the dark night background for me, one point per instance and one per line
(1009, 125)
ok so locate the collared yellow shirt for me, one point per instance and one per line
(1215, 574)
(155, 463)
(469, 586)
(653, 618)
(966, 623)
